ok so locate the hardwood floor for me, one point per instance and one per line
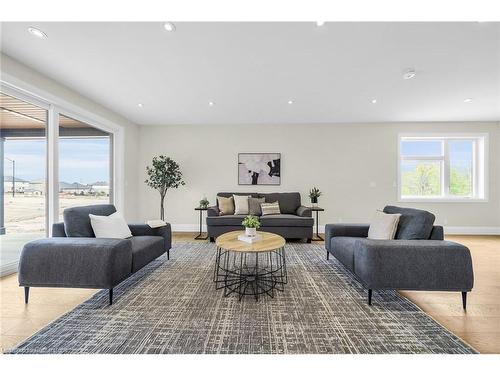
(479, 326)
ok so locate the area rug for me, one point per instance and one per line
(171, 306)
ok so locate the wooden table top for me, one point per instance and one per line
(270, 241)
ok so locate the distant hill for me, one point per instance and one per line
(9, 179)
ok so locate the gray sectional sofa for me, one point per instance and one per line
(417, 259)
(74, 258)
(294, 222)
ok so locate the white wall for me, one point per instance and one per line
(355, 165)
(13, 68)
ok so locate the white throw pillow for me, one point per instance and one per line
(383, 226)
(240, 204)
(112, 226)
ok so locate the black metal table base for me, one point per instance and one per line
(200, 234)
(250, 274)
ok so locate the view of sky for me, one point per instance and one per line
(83, 160)
(461, 151)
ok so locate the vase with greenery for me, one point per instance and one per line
(251, 224)
(163, 174)
(314, 193)
(204, 202)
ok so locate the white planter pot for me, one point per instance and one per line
(250, 232)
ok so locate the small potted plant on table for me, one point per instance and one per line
(204, 202)
(251, 224)
(314, 193)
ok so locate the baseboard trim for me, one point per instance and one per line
(188, 228)
(472, 231)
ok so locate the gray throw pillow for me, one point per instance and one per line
(254, 206)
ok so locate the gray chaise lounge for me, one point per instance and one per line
(74, 258)
(418, 259)
(294, 222)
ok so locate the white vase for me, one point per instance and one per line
(250, 232)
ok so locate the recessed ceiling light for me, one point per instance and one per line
(468, 100)
(290, 102)
(409, 74)
(169, 26)
(320, 23)
(140, 105)
(211, 104)
(374, 101)
(37, 32)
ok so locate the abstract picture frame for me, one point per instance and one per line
(259, 168)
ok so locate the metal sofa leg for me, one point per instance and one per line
(26, 294)
(212, 239)
(309, 240)
(327, 255)
(369, 297)
(111, 296)
(464, 300)
(168, 254)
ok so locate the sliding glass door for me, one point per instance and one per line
(49, 161)
(23, 192)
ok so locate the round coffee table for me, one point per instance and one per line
(250, 268)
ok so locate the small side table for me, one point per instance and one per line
(199, 237)
(317, 210)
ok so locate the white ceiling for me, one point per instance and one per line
(251, 70)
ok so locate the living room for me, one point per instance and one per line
(189, 186)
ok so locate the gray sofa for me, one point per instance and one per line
(417, 259)
(295, 220)
(74, 258)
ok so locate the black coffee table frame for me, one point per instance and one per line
(250, 273)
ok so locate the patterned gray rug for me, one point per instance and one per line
(173, 307)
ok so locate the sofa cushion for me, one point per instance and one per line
(77, 221)
(225, 220)
(413, 224)
(286, 220)
(383, 226)
(111, 226)
(226, 205)
(270, 208)
(145, 249)
(254, 206)
(241, 204)
(342, 248)
(289, 202)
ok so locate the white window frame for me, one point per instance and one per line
(55, 105)
(479, 169)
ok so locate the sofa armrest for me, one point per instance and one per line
(75, 262)
(58, 230)
(344, 230)
(304, 211)
(413, 265)
(213, 211)
(146, 230)
(437, 233)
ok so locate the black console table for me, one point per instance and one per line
(317, 210)
(199, 236)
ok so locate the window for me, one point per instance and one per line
(84, 164)
(442, 168)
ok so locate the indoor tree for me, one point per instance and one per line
(164, 174)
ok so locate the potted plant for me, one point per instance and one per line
(251, 224)
(164, 174)
(314, 193)
(204, 202)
